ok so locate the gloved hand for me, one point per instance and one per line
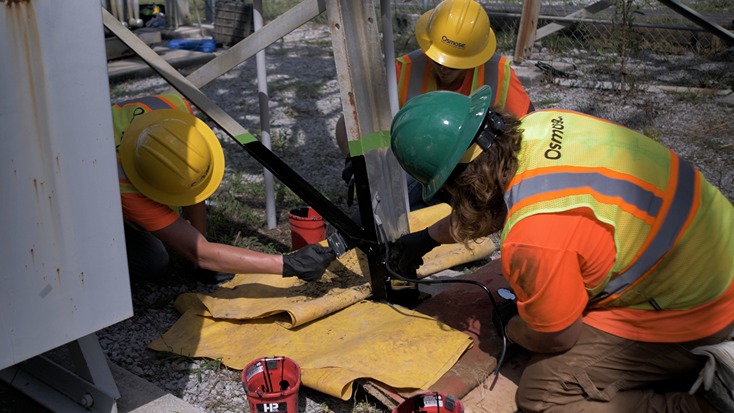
(308, 263)
(407, 253)
(210, 277)
(720, 363)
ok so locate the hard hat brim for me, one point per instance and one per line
(480, 103)
(190, 197)
(454, 62)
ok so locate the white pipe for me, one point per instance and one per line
(389, 46)
(263, 99)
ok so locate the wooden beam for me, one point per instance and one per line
(526, 31)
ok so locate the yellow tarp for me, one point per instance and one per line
(401, 348)
(325, 325)
(294, 301)
(447, 255)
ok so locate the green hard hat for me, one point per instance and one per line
(430, 134)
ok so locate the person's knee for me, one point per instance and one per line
(527, 397)
(153, 264)
(147, 257)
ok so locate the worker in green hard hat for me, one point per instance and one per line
(169, 160)
(618, 251)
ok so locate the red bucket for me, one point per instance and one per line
(430, 402)
(307, 227)
(272, 384)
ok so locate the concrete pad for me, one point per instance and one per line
(137, 395)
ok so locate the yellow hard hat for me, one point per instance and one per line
(456, 34)
(172, 157)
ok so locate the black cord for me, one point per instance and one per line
(453, 281)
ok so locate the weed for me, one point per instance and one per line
(652, 133)
(687, 96)
(546, 102)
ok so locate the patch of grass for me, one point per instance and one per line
(558, 42)
(365, 407)
(546, 102)
(652, 133)
(307, 90)
(687, 96)
(506, 41)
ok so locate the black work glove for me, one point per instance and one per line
(308, 263)
(407, 253)
(348, 171)
(210, 277)
(503, 312)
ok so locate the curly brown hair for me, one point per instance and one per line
(477, 206)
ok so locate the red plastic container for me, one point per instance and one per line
(272, 384)
(307, 227)
(430, 402)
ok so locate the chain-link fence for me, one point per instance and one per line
(614, 35)
(639, 25)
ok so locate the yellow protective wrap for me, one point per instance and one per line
(393, 345)
(291, 301)
(447, 255)
(326, 326)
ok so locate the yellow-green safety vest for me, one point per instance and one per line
(413, 75)
(672, 228)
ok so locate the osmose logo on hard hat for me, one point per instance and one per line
(452, 42)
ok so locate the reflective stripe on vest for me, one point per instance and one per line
(415, 77)
(635, 185)
(673, 223)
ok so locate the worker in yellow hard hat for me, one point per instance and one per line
(169, 159)
(619, 252)
(457, 53)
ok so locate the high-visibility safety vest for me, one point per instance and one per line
(124, 113)
(672, 228)
(417, 63)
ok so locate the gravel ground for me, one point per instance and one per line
(305, 105)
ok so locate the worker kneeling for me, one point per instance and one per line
(169, 159)
(619, 252)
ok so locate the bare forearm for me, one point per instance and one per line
(440, 232)
(231, 259)
(196, 215)
(190, 243)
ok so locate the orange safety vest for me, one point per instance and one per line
(416, 62)
(124, 113)
(671, 226)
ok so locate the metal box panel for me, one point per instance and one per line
(64, 272)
